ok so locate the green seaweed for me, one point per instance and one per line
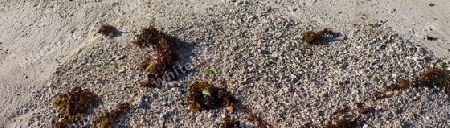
(209, 71)
(149, 67)
(206, 92)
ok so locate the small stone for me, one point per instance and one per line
(223, 116)
(229, 108)
(120, 57)
(275, 55)
(140, 102)
(393, 10)
(121, 71)
(211, 115)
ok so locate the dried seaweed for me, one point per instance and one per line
(343, 123)
(74, 104)
(108, 118)
(165, 48)
(216, 98)
(434, 77)
(64, 122)
(254, 118)
(342, 111)
(108, 30)
(313, 38)
(77, 101)
(230, 123)
(366, 110)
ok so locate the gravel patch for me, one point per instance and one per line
(259, 57)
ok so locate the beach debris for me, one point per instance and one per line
(108, 118)
(230, 123)
(404, 83)
(76, 101)
(74, 104)
(435, 77)
(366, 110)
(203, 96)
(166, 50)
(313, 38)
(343, 123)
(258, 121)
(108, 30)
(430, 38)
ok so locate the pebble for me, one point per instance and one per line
(140, 102)
(223, 116)
(121, 71)
(211, 115)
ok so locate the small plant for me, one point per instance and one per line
(203, 96)
(108, 118)
(313, 38)
(230, 123)
(149, 67)
(209, 71)
(108, 30)
(206, 92)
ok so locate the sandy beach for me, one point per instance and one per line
(252, 48)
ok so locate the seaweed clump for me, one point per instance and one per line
(165, 48)
(435, 77)
(313, 38)
(230, 123)
(108, 118)
(108, 30)
(343, 123)
(74, 104)
(203, 96)
(431, 77)
(403, 84)
(258, 121)
(77, 101)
